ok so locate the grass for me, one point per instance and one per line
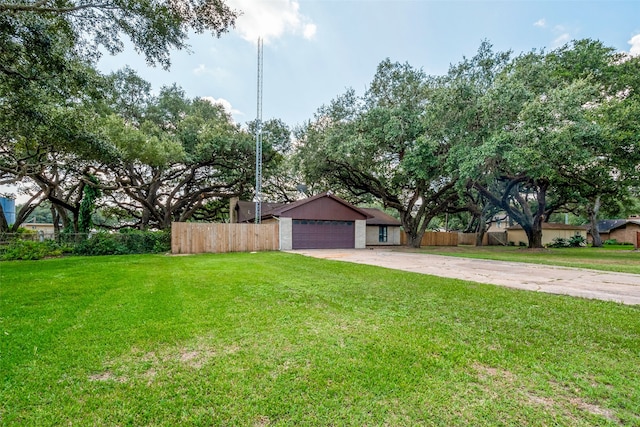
(280, 339)
(622, 260)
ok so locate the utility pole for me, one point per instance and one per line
(259, 138)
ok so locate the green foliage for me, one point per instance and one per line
(179, 157)
(128, 241)
(57, 108)
(30, 250)
(154, 27)
(576, 241)
(374, 148)
(91, 193)
(614, 242)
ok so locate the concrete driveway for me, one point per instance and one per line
(619, 287)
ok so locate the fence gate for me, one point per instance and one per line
(497, 238)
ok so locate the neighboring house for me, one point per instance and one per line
(382, 229)
(319, 222)
(550, 231)
(46, 228)
(622, 230)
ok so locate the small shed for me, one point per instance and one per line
(382, 228)
(550, 231)
(324, 221)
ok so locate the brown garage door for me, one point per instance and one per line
(314, 234)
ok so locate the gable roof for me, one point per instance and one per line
(247, 210)
(287, 207)
(380, 218)
(608, 225)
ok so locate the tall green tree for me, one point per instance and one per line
(154, 27)
(373, 148)
(546, 144)
(49, 87)
(182, 161)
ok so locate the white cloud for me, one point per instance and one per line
(271, 19)
(224, 103)
(215, 72)
(562, 39)
(309, 31)
(540, 23)
(635, 45)
(200, 70)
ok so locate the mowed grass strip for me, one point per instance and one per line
(622, 259)
(281, 339)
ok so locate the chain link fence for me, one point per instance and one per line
(41, 236)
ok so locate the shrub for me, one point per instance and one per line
(30, 250)
(100, 244)
(559, 242)
(611, 242)
(128, 241)
(576, 241)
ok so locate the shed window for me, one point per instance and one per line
(382, 234)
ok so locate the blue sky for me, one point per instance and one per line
(315, 49)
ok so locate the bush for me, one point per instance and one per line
(100, 244)
(30, 250)
(559, 242)
(576, 241)
(128, 241)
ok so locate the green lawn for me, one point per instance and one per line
(281, 339)
(622, 259)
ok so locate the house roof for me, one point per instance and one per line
(247, 210)
(608, 225)
(380, 218)
(287, 207)
(553, 226)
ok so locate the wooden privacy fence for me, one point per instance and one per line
(197, 238)
(434, 238)
(496, 238)
(467, 238)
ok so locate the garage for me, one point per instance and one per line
(323, 221)
(323, 234)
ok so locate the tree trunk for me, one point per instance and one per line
(593, 219)
(482, 228)
(416, 240)
(480, 236)
(415, 229)
(414, 237)
(534, 235)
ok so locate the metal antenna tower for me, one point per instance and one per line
(259, 138)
